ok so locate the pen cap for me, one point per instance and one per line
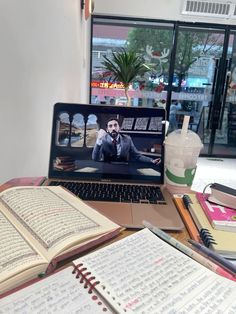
(182, 149)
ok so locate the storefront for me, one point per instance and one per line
(192, 65)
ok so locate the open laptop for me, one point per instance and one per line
(131, 183)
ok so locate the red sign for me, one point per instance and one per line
(98, 84)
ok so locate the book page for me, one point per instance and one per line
(16, 254)
(53, 218)
(59, 293)
(147, 275)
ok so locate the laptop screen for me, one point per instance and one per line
(110, 143)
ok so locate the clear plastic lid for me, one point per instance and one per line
(189, 139)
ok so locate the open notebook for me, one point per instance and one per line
(138, 274)
(76, 156)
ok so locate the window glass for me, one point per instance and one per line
(151, 41)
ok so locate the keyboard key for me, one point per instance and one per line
(114, 192)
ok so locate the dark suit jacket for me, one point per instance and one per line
(107, 152)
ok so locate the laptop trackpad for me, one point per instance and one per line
(120, 213)
(147, 212)
(132, 215)
(162, 216)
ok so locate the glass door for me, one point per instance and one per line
(200, 88)
(228, 111)
(222, 113)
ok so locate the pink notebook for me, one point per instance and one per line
(220, 217)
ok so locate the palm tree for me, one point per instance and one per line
(125, 66)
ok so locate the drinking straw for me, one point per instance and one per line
(184, 129)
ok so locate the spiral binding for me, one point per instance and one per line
(187, 201)
(206, 237)
(89, 282)
(82, 273)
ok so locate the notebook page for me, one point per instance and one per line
(59, 293)
(146, 275)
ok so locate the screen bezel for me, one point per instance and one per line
(111, 110)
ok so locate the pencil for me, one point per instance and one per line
(187, 219)
(220, 260)
(188, 251)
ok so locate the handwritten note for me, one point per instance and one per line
(146, 275)
(59, 293)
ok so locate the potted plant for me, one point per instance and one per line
(125, 66)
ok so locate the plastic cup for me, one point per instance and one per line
(182, 149)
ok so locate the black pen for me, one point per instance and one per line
(220, 260)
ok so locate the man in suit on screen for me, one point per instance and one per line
(111, 145)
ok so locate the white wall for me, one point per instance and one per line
(43, 60)
(154, 9)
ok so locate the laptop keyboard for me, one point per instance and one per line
(93, 191)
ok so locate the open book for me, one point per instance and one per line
(40, 226)
(138, 274)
